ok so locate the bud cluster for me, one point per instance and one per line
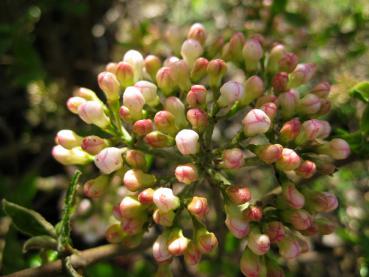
(166, 112)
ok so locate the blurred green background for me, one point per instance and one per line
(50, 47)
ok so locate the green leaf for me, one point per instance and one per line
(364, 124)
(28, 221)
(39, 242)
(361, 91)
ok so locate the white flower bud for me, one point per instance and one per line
(187, 142)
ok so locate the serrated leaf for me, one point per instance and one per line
(40, 242)
(364, 124)
(28, 221)
(361, 91)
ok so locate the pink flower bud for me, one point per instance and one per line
(288, 62)
(116, 212)
(70, 156)
(146, 196)
(125, 114)
(255, 122)
(177, 243)
(148, 91)
(109, 85)
(165, 122)
(290, 160)
(111, 67)
(74, 102)
(198, 119)
(238, 194)
(152, 65)
(230, 92)
(258, 243)
(191, 49)
(92, 112)
(265, 99)
(239, 227)
(93, 144)
(253, 213)
(136, 159)
(109, 160)
(301, 75)
(94, 188)
(276, 54)
(325, 226)
(289, 248)
(325, 106)
(125, 74)
(86, 94)
(206, 241)
(68, 139)
(269, 153)
(236, 44)
(275, 231)
(143, 127)
(170, 61)
(254, 88)
(192, 255)
(252, 265)
(135, 179)
(135, 59)
(160, 249)
(163, 218)
(290, 130)
(306, 169)
(134, 101)
(292, 196)
(233, 158)
(181, 75)
(198, 206)
(310, 104)
(130, 207)
(114, 234)
(287, 102)
(186, 173)
(300, 219)
(158, 139)
(199, 69)
(196, 97)
(322, 89)
(187, 142)
(216, 70)
(322, 201)
(337, 148)
(176, 107)
(252, 52)
(279, 82)
(165, 81)
(313, 129)
(197, 32)
(132, 225)
(165, 200)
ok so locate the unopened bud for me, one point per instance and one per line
(301, 75)
(216, 70)
(199, 69)
(313, 129)
(238, 226)
(111, 67)
(149, 92)
(216, 46)
(163, 218)
(187, 142)
(290, 130)
(125, 74)
(181, 75)
(265, 99)
(160, 249)
(309, 104)
(175, 106)
(165, 80)
(68, 139)
(165, 122)
(158, 139)
(238, 194)
(289, 248)
(146, 196)
(275, 56)
(165, 200)
(273, 269)
(70, 156)
(230, 92)
(135, 59)
(269, 153)
(288, 62)
(109, 160)
(94, 188)
(322, 201)
(134, 101)
(322, 90)
(186, 173)
(290, 160)
(135, 179)
(191, 49)
(337, 148)
(233, 158)
(252, 265)
(143, 127)
(236, 44)
(136, 159)
(258, 243)
(109, 85)
(293, 197)
(198, 119)
(114, 234)
(252, 52)
(306, 169)
(279, 82)
(198, 206)
(192, 255)
(325, 226)
(92, 112)
(206, 241)
(275, 231)
(197, 32)
(130, 207)
(254, 88)
(253, 213)
(300, 219)
(87, 94)
(93, 144)
(270, 109)
(325, 106)
(196, 97)
(255, 122)
(324, 164)
(288, 102)
(74, 102)
(152, 65)
(132, 225)
(177, 243)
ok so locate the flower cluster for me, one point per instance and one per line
(168, 111)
